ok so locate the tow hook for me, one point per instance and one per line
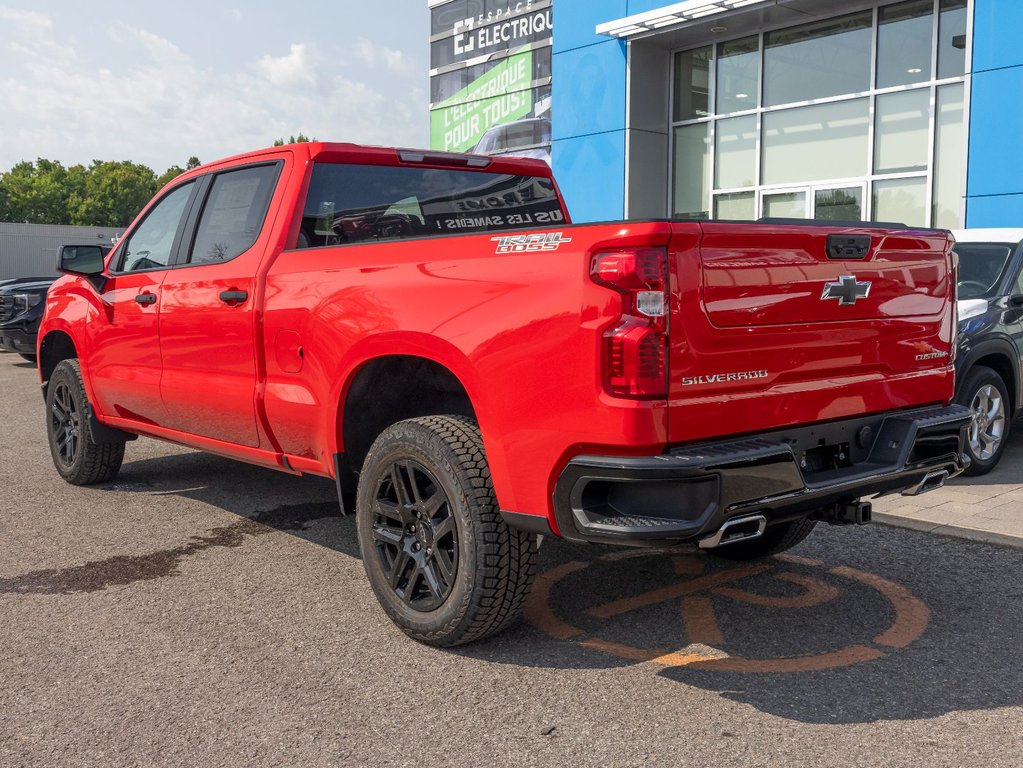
(846, 513)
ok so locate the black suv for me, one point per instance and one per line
(990, 307)
(21, 308)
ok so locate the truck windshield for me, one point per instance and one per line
(356, 203)
(981, 266)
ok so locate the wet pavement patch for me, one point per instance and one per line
(120, 570)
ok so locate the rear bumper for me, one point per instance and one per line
(690, 492)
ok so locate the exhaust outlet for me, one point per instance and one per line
(735, 530)
(932, 481)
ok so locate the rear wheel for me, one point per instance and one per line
(77, 457)
(441, 560)
(777, 538)
(984, 393)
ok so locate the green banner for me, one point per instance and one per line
(500, 96)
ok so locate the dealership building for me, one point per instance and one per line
(736, 109)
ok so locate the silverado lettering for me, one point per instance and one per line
(307, 308)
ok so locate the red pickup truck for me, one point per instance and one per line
(431, 330)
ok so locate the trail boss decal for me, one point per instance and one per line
(548, 241)
(722, 378)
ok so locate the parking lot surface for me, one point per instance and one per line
(201, 612)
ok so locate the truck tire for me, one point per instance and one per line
(441, 560)
(77, 457)
(777, 538)
(984, 392)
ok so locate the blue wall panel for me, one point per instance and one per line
(996, 211)
(576, 20)
(996, 34)
(591, 175)
(994, 190)
(588, 111)
(589, 90)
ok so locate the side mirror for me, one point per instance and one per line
(81, 260)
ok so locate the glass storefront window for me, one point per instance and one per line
(952, 39)
(790, 123)
(692, 170)
(814, 61)
(905, 37)
(736, 206)
(948, 157)
(900, 133)
(824, 141)
(735, 161)
(785, 205)
(845, 204)
(692, 84)
(901, 200)
(738, 77)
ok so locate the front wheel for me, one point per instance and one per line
(984, 393)
(441, 560)
(777, 538)
(78, 458)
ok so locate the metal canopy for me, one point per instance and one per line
(672, 15)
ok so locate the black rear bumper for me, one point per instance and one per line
(690, 492)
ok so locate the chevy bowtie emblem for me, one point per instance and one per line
(846, 290)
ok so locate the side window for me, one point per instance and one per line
(150, 245)
(233, 214)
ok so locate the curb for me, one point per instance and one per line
(950, 531)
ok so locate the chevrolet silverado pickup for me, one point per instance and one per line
(432, 332)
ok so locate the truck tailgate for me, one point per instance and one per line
(776, 325)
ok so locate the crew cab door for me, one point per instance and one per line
(209, 311)
(124, 357)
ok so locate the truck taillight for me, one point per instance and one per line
(635, 356)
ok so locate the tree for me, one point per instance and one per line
(38, 193)
(193, 162)
(114, 193)
(169, 175)
(301, 138)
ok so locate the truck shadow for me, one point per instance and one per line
(854, 626)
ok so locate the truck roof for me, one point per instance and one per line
(377, 155)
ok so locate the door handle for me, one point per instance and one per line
(145, 298)
(229, 297)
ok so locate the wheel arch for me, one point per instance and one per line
(1001, 357)
(387, 388)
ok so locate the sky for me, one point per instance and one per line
(158, 82)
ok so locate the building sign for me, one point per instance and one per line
(490, 77)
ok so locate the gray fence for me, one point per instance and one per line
(30, 250)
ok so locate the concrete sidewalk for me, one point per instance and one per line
(987, 508)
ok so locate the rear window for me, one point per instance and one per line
(358, 203)
(980, 267)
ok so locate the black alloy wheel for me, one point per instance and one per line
(415, 535)
(78, 458)
(444, 565)
(65, 424)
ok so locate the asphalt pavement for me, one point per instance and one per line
(201, 612)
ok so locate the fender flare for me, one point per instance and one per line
(1001, 347)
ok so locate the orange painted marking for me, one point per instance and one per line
(854, 654)
(698, 616)
(538, 608)
(911, 614)
(816, 592)
(687, 566)
(675, 591)
(799, 560)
